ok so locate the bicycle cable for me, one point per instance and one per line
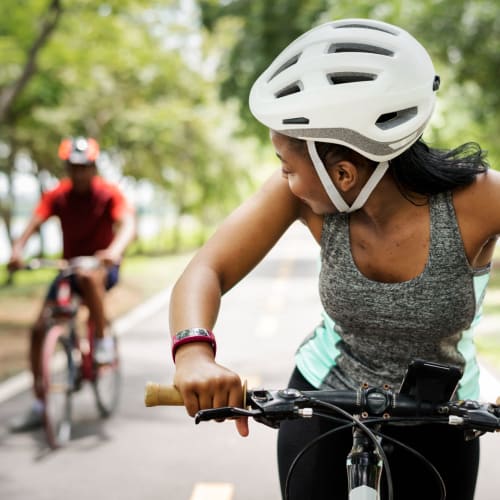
(310, 445)
(353, 421)
(371, 435)
(427, 463)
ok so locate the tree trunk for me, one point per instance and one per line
(10, 93)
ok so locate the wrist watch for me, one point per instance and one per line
(193, 335)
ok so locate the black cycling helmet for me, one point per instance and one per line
(79, 150)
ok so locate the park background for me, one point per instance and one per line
(163, 86)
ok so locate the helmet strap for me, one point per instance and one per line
(331, 190)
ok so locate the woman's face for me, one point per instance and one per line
(298, 170)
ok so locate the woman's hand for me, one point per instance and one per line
(205, 384)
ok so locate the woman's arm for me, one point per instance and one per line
(241, 241)
(478, 213)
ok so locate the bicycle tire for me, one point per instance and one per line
(107, 384)
(57, 377)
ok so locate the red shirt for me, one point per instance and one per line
(87, 220)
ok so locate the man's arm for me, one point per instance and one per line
(125, 233)
(16, 257)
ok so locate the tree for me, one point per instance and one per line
(107, 71)
(464, 37)
(260, 29)
(22, 71)
(9, 93)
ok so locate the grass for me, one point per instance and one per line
(152, 274)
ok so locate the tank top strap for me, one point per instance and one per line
(446, 248)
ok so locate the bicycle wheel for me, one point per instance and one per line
(107, 384)
(57, 377)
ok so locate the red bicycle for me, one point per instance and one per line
(67, 356)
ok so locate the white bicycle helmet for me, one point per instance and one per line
(364, 84)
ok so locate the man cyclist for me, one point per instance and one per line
(97, 220)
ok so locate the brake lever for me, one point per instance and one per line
(223, 413)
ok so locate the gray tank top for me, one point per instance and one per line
(379, 327)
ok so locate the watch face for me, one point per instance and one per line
(191, 333)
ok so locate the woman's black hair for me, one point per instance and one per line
(421, 169)
(427, 171)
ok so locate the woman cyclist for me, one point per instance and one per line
(406, 233)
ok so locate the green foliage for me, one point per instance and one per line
(260, 30)
(464, 36)
(123, 72)
(149, 86)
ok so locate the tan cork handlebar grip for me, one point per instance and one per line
(161, 395)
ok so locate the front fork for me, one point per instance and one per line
(364, 468)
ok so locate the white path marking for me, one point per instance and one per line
(212, 491)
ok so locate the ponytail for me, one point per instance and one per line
(427, 171)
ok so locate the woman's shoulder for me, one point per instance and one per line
(276, 192)
(483, 191)
(479, 202)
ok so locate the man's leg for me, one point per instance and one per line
(33, 419)
(92, 287)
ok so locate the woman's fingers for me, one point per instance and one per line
(191, 402)
(242, 426)
(210, 386)
(210, 393)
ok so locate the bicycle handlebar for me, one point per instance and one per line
(66, 265)
(270, 407)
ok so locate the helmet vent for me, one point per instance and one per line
(359, 47)
(293, 60)
(301, 120)
(395, 118)
(366, 26)
(341, 78)
(294, 88)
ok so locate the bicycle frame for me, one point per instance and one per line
(65, 311)
(364, 468)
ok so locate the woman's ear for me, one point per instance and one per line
(345, 175)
